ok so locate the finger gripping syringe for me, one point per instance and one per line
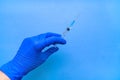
(65, 32)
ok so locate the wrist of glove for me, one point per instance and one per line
(31, 55)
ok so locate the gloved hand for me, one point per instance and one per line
(30, 55)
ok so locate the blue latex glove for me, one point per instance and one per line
(30, 55)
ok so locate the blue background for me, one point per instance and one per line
(93, 45)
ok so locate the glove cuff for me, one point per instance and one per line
(11, 71)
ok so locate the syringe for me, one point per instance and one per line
(69, 27)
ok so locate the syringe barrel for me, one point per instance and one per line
(72, 23)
